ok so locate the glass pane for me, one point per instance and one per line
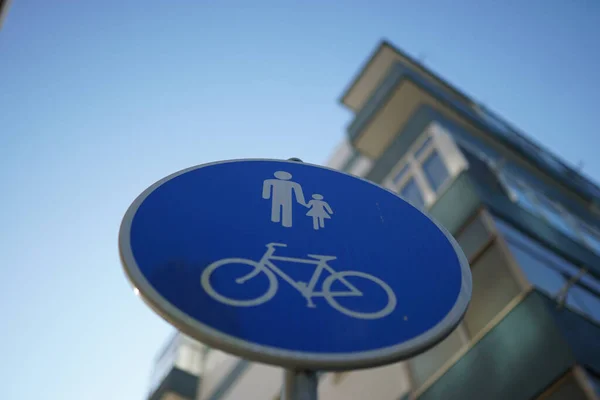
(422, 148)
(536, 270)
(585, 302)
(523, 196)
(411, 193)
(591, 282)
(557, 217)
(435, 171)
(591, 237)
(401, 174)
(536, 249)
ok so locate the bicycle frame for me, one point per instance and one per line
(267, 266)
(306, 289)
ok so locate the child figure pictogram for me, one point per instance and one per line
(319, 210)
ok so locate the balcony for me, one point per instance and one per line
(177, 370)
(535, 345)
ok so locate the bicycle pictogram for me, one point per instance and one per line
(308, 290)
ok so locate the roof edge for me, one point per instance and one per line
(365, 65)
(4, 6)
(383, 43)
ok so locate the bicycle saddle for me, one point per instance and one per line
(324, 258)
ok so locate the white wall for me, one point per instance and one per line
(263, 382)
(260, 381)
(216, 368)
(383, 383)
(361, 166)
(340, 155)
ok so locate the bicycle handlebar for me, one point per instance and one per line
(276, 245)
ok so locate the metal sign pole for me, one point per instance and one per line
(299, 385)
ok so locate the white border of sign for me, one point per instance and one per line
(276, 356)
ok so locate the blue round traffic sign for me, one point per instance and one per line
(294, 264)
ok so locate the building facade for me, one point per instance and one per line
(4, 4)
(528, 223)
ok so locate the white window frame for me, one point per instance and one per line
(447, 150)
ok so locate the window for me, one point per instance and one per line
(557, 216)
(435, 171)
(584, 301)
(424, 172)
(519, 193)
(553, 274)
(552, 212)
(412, 194)
(536, 270)
(591, 237)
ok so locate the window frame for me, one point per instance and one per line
(410, 166)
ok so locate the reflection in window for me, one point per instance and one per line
(551, 273)
(555, 215)
(553, 212)
(537, 271)
(591, 237)
(585, 301)
(520, 194)
(590, 283)
(435, 171)
(412, 194)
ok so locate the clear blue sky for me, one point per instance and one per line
(98, 100)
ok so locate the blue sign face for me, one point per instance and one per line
(294, 264)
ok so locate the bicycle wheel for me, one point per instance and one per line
(391, 297)
(273, 284)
